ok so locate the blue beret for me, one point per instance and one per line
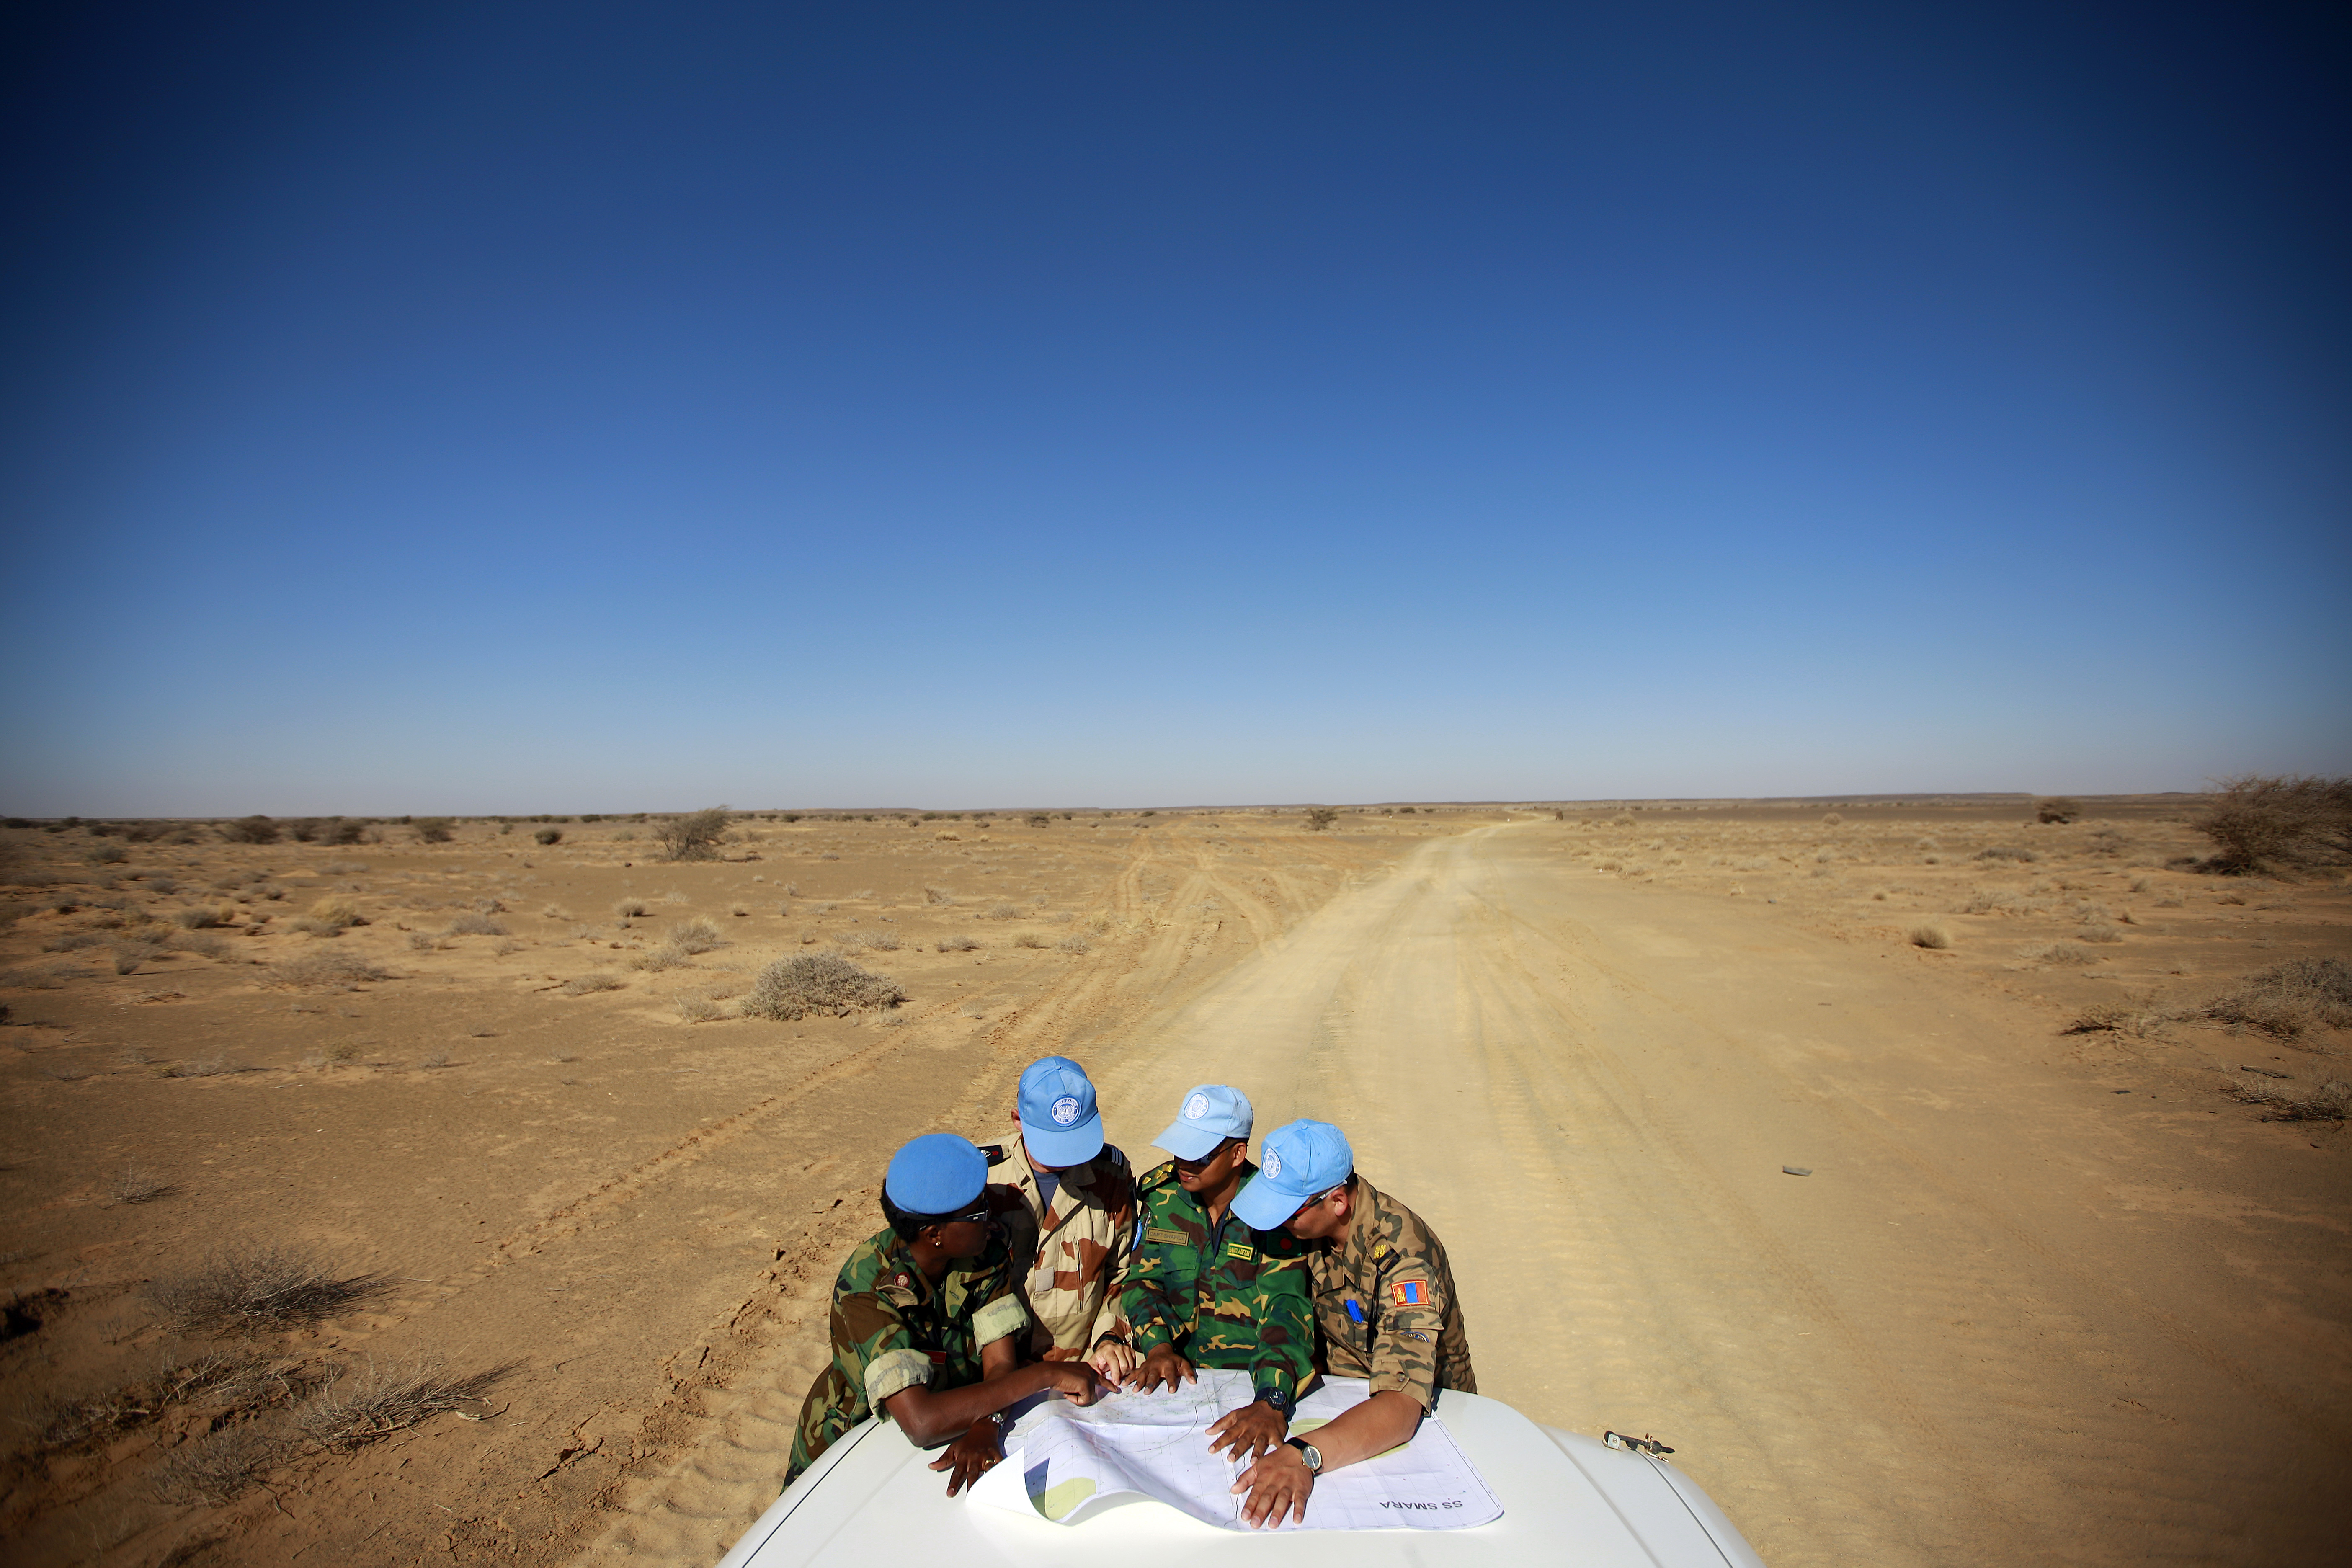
(936, 1173)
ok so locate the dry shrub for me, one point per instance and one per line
(2057, 809)
(1935, 937)
(2330, 1102)
(1074, 943)
(43, 976)
(339, 912)
(629, 910)
(205, 1067)
(326, 968)
(259, 1288)
(2288, 1001)
(137, 1184)
(582, 984)
(471, 924)
(2260, 820)
(1029, 939)
(2138, 1016)
(693, 1007)
(694, 837)
(250, 830)
(2007, 852)
(958, 944)
(818, 983)
(697, 935)
(1321, 817)
(2059, 953)
(1003, 911)
(354, 1407)
(884, 941)
(666, 956)
(202, 919)
(549, 836)
(939, 896)
(218, 1466)
(130, 954)
(435, 829)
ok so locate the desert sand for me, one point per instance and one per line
(2053, 1289)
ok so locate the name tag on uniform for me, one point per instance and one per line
(1241, 1250)
(1154, 1233)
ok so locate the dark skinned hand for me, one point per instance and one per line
(971, 1455)
(1163, 1368)
(1249, 1431)
(1278, 1484)
(1075, 1382)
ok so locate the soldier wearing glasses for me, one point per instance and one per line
(1206, 1289)
(925, 1322)
(1384, 1307)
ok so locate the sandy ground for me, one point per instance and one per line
(2012, 1314)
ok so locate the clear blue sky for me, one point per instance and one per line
(575, 406)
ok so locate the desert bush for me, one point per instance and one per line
(131, 953)
(1073, 942)
(250, 830)
(2057, 809)
(2331, 1102)
(1029, 939)
(697, 935)
(1039, 820)
(41, 976)
(694, 837)
(213, 1066)
(326, 968)
(218, 1467)
(421, 941)
(2100, 931)
(434, 829)
(472, 924)
(693, 1007)
(818, 983)
(2060, 953)
(137, 1184)
(2288, 1001)
(657, 959)
(549, 836)
(1935, 937)
(337, 911)
(258, 1288)
(350, 1408)
(2258, 821)
(2007, 852)
(582, 984)
(201, 919)
(1001, 912)
(629, 910)
(1321, 817)
(957, 943)
(884, 941)
(105, 855)
(2139, 1018)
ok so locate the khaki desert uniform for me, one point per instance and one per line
(1384, 1303)
(1223, 1295)
(1066, 1254)
(892, 1330)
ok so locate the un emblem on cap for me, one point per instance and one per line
(1196, 1107)
(1065, 1111)
(1273, 1166)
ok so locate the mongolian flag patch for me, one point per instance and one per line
(1410, 1292)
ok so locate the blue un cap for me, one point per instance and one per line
(1059, 1123)
(937, 1173)
(1212, 1112)
(1303, 1160)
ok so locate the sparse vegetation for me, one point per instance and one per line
(472, 924)
(1929, 936)
(250, 830)
(958, 943)
(2057, 809)
(434, 829)
(667, 956)
(1029, 939)
(549, 836)
(693, 837)
(1321, 817)
(694, 1007)
(351, 1407)
(2289, 1001)
(2056, 952)
(326, 967)
(585, 985)
(697, 935)
(137, 1184)
(218, 1466)
(2331, 1102)
(626, 910)
(1001, 912)
(262, 1288)
(2260, 821)
(1076, 942)
(818, 983)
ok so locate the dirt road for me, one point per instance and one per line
(2009, 1316)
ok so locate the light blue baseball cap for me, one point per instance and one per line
(1212, 1112)
(936, 1173)
(1301, 1161)
(1059, 1123)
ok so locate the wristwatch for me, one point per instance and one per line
(1310, 1453)
(1279, 1402)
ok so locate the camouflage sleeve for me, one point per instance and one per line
(1118, 1264)
(1143, 1301)
(872, 1350)
(1412, 1313)
(1286, 1327)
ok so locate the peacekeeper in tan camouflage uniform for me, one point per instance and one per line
(1205, 1290)
(1384, 1308)
(1067, 1201)
(925, 1324)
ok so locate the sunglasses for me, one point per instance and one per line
(977, 1216)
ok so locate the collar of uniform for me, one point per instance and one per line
(1016, 1154)
(1248, 1169)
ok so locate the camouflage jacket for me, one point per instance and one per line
(1384, 1303)
(1223, 1295)
(1066, 1256)
(893, 1331)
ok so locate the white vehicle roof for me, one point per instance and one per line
(872, 1498)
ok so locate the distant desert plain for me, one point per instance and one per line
(1944, 1184)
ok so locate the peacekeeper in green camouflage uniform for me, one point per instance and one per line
(1205, 1290)
(925, 1322)
(1385, 1309)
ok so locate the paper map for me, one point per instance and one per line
(1062, 1459)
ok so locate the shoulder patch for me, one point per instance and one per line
(1409, 1292)
(1158, 1176)
(995, 1153)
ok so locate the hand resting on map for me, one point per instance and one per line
(967, 1414)
(1279, 1484)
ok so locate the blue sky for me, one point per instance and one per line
(570, 408)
